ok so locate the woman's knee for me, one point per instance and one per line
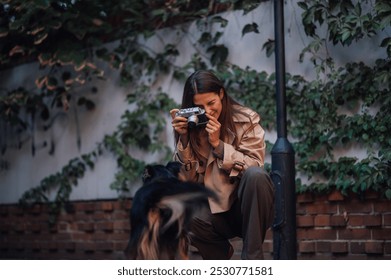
(254, 171)
(256, 178)
(256, 174)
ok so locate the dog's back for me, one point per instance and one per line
(161, 213)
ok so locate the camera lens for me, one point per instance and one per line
(192, 121)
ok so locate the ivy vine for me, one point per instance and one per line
(344, 107)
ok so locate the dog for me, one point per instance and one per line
(161, 214)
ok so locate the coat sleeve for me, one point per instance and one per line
(250, 151)
(190, 164)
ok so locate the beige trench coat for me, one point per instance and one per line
(220, 174)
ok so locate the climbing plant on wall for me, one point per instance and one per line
(344, 106)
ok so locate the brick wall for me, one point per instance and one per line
(87, 230)
(336, 227)
(328, 227)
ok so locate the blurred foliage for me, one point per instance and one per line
(344, 107)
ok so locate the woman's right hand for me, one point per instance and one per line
(180, 126)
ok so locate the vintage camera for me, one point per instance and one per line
(195, 116)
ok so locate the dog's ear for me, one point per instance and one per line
(174, 167)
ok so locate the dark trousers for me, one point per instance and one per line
(249, 218)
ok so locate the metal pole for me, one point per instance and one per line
(283, 168)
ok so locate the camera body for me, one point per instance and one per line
(195, 116)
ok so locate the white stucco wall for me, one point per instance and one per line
(26, 171)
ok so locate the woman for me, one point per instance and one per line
(226, 155)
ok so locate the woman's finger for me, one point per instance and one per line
(173, 113)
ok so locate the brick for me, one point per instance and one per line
(318, 239)
(100, 236)
(49, 246)
(119, 236)
(317, 234)
(387, 219)
(87, 207)
(80, 236)
(5, 228)
(36, 228)
(373, 220)
(381, 233)
(122, 205)
(323, 246)
(358, 206)
(97, 216)
(305, 198)
(374, 247)
(357, 247)
(42, 218)
(305, 221)
(336, 196)
(106, 206)
(36, 246)
(86, 226)
(17, 211)
(68, 217)
(382, 206)
(339, 247)
(85, 246)
(321, 208)
(62, 226)
(307, 246)
(355, 234)
(120, 215)
(371, 195)
(82, 216)
(121, 225)
(53, 228)
(4, 210)
(105, 226)
(66, 246)
(63, 236)
(356, 220)
(69, 208)
(19, 228)
(387, 247)
(73, 226)
(338, 221)
(301, 209)
(322, 220)
(104, 246)
(365, 220)
(121, 246)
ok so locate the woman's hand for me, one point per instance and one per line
(180, 126)
(213, 128)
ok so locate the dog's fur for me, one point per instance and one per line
(161, 214)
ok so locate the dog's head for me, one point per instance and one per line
(162, 211)
(158, 171)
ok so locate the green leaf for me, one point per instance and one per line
(219, 54)
(270, 47)
(250, 27)
(303, 5)
(218, 19)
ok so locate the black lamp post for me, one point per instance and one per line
(283, 159)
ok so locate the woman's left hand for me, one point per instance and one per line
(213, 129)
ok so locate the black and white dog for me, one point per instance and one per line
(161, 213)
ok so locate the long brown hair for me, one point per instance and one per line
(203, 81)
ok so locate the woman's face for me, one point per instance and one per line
(210, 102)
